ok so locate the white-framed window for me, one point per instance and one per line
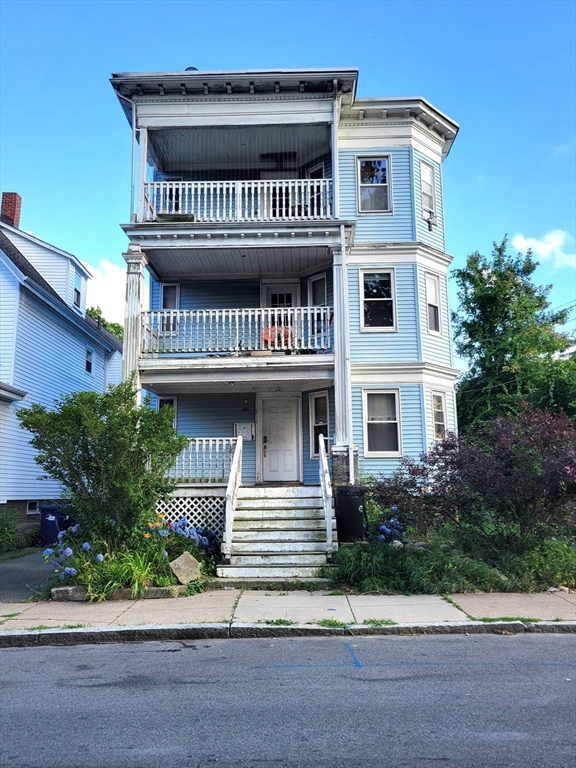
(77, 290)
(427, 189)
(89, 360)
(168, 402)
(374, 185)
(170, 300)
(317, 296)
(377, 300)
(33, 508)
(439, 415)
(382, 428)
(318, 421)
(433, 303)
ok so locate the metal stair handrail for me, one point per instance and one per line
(326, 487)
(234, 483)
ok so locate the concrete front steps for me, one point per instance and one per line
(279, 532)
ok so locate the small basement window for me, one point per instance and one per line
(33, 508)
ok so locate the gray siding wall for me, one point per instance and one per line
(9, 290)
(214, 415)
(435, 237)
(412, 427)
(435, 348)
(397, 226)
(386, 346)
(50, 361)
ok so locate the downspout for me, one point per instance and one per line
(133, 166)
(347, 362)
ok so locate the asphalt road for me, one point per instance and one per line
(466, 701)
(20, 577)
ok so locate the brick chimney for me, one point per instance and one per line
(11, 204)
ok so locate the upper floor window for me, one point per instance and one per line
(427, 189)
(382, 423)
(378, 312)
(88, 361)
(433, 302)
(374, 185)
(77, 290)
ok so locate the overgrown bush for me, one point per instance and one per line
(8, 535)
(505, 486)
(109, 455)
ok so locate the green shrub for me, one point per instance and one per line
(8, 536)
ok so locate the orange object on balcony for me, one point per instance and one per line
(278, 337)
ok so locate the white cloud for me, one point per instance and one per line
(107, 290)
(550, 246)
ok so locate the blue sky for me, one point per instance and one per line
(505, 71)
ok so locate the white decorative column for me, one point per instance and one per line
(342, 450)
(135, 263)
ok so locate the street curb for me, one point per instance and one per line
(239, 630)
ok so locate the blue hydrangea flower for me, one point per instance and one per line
(61, 535)
(204, 541)
(163, 532)
(99, 558)
(54, 565)
(381, 537)
(394, 509)
(112, 521)
(383, 529)
(165, 553)
(71, 571)
(67, 552)
(75, 528)
(86, 547)
(47, 552)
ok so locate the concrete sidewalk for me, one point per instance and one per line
(252, 613)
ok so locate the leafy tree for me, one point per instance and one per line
(115, 328)
(506, 331)
(504, 485)
(109, 455)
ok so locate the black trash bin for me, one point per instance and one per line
(49, 527)
(350, 512)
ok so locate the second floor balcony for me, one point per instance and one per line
(281, 200)
(261, 331)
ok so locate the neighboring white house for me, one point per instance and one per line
(48, 347)
(294, 236)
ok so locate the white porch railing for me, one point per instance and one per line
(214, 201)
(326, 488)
(234, 330)
(234, 483)
(205, 460)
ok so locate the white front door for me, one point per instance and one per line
(280, 440)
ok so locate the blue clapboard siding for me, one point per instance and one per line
(397, 226)
(213, 294)
(388, 346)
(49, 361)
(412, 427)
(435, 237)
(311, 466)
(435, 349)
(214, 415)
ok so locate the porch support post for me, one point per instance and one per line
(343, 463)
(135, 263)
(142, 173)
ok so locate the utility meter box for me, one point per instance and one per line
(245, 430)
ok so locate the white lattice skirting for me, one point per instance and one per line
(200, 506)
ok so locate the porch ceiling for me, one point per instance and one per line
(248, 262)
(267, 147)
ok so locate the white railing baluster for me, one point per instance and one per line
(326, 488)
(234, 483)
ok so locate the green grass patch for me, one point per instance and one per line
(332, 624)
(278, 622)
(523, 619)
(380, 622)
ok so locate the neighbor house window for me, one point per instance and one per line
(88, 361)
(77, 290)
(382, 423)
(374, 185)
(318, 421)
(168, 402)
(433, 302)
(377, 301)
(427, 189)
(170, 300)
(439, 415)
